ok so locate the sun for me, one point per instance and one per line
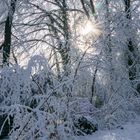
(87, 32)
(89, 29)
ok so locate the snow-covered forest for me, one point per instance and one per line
(68, 68)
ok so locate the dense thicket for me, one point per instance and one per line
(68, 67)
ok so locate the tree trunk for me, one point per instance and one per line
(8, 32)
(131, 48)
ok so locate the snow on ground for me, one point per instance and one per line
(131, 131)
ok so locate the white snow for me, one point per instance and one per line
(130, 131)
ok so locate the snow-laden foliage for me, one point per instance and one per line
(35, 102)
(68, 67)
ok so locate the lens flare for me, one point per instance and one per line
(89, 29)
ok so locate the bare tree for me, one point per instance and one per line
(8, 33)
(132, 58)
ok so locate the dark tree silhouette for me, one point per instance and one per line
(7, 34)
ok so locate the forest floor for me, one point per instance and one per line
(130, 131)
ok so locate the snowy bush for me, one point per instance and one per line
(68, 67)
(36, 107)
